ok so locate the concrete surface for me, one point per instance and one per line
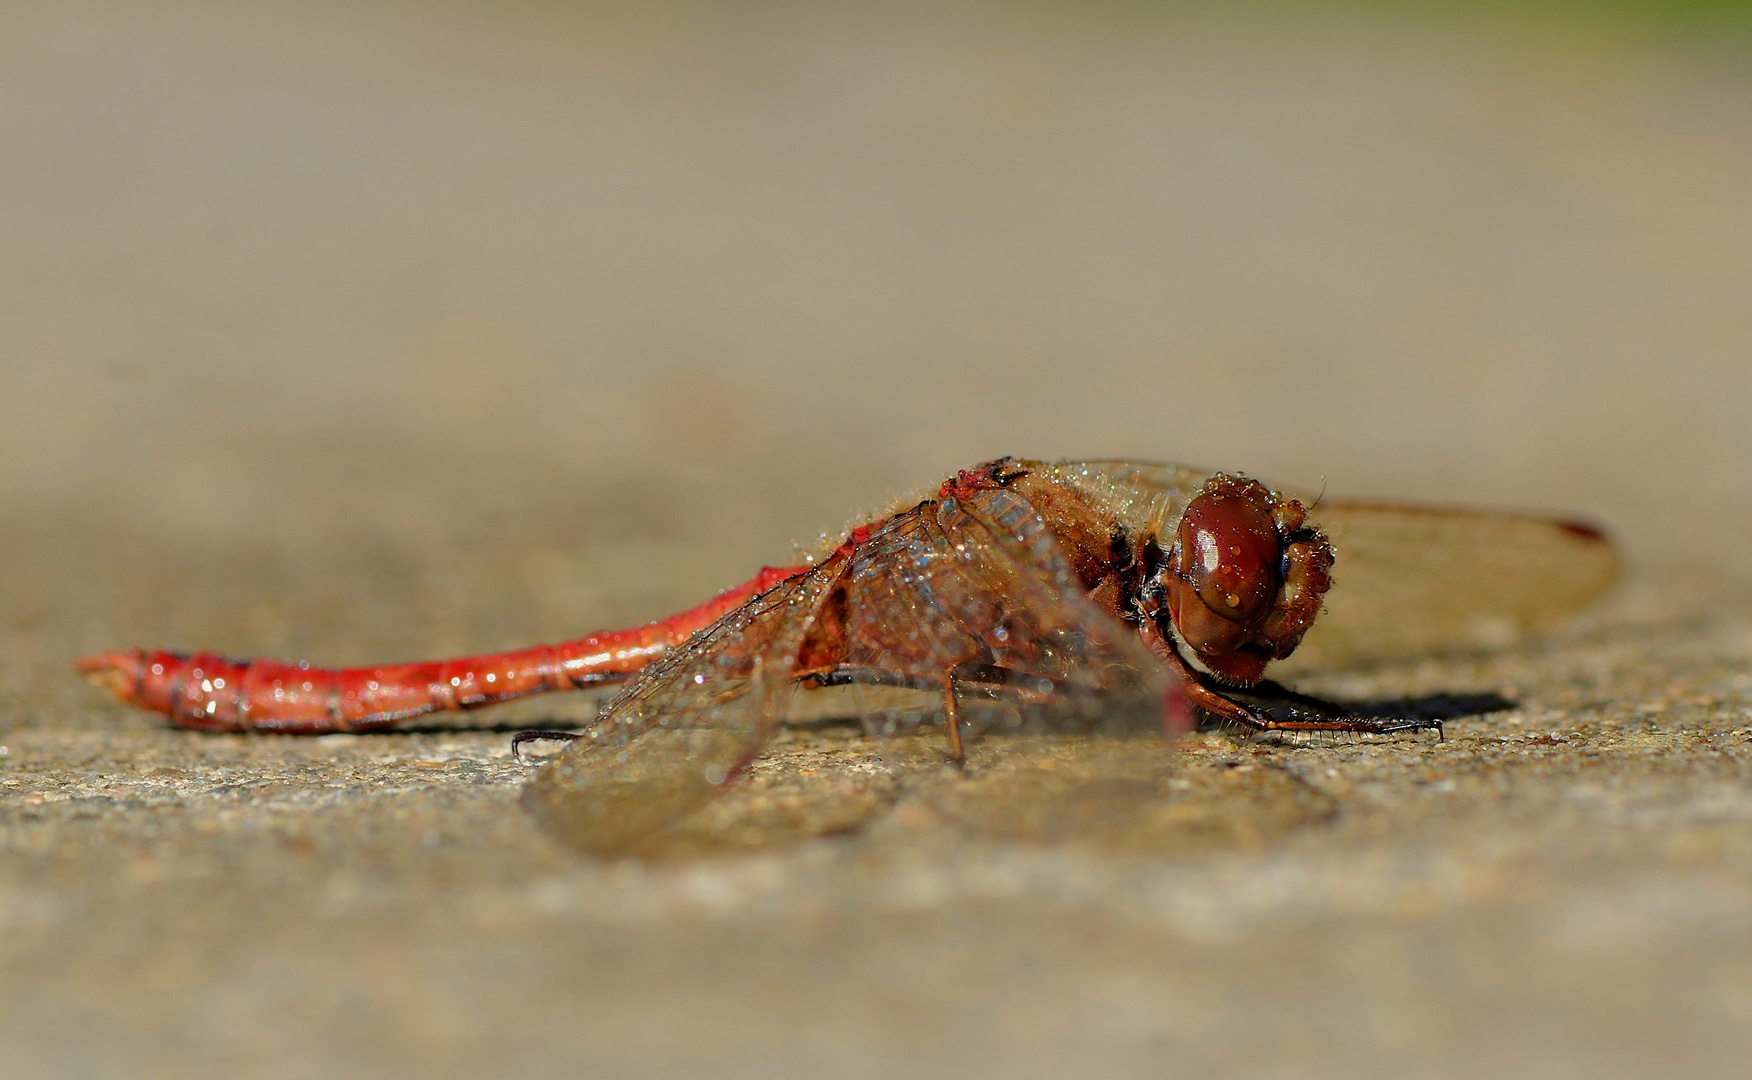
(366, 332)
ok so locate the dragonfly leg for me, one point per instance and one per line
(539, 735)
(952, 720)
(1306, 713)
(978, 679)
(984, 680)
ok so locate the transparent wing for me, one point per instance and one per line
(979, 591)
(1070, 743)
(671, 739)
(1051, 626)
(1413, 580)
(1409, 580)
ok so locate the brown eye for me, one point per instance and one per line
(1230, 554)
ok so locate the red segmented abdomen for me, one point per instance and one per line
(220, 693)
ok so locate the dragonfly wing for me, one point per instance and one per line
(1409, 580)
(979, 586)
(1413, 580)
(671, 739)
(1084, 758)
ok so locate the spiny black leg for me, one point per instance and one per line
(982, 680)
(1356, 724)
(1305, 713)
(538, 735)
(850, 675)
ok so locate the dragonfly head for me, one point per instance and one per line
(1244, 577)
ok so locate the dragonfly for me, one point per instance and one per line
(1018, 597)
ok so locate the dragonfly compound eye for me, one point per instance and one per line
(1227, 558)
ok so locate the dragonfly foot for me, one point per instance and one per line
(538, 735)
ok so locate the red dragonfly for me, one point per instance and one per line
(1023, 595)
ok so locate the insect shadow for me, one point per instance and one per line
(500, 727)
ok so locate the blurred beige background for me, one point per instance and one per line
(364, 331)
(303, 269)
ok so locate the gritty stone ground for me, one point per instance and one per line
(363, 332)
(1560, 888)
